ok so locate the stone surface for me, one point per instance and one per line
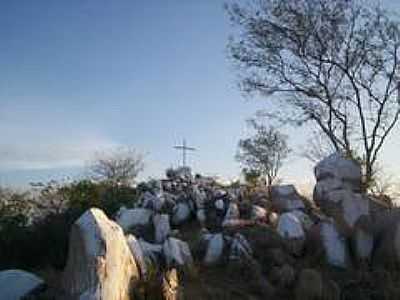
(219, 204)
(177, 253)
(100, 264)
(215, 248)
(304, 219)
(162, 228)
(128, 218)
(15, 284)
(170, 285)
(137, 253)
(258, 213)
(151, 252)
(240, 248)
(334, 245)
(346, 207)
(232, 213)
(286, 198)
(152, 202)
(181, 213)
(337, 166)
(290, 227)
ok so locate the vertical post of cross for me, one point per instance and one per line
(184, 148)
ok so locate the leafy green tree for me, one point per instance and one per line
(264, 152)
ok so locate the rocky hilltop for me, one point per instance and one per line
(191, 238)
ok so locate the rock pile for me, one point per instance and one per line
(185, 222)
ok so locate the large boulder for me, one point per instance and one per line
(162, 228)
(129, 218)
(286, 198)
(181, 213)
(335, 245)
(152, 201)
(177, 253)
(346, 207)
(337, 166)
(291, 229)
(363, 240)
(240, 249)
(16, 284)
(100, 264)
(152, 252)
(215, 247)
(232, 213)
(137, 254)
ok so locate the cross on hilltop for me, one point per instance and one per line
(184, 148)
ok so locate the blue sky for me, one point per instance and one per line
(80, 76)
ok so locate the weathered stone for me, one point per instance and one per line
(15, 284)
(177, 253)
(162, 228)
(128, 218)
(170, 285)
(137, 254)
(258, 213)
(240, 248)
(337, 166)
(181, 213)
(100, 264)
(201, 216)
(363, 239)
(334, 245)
(214, 249)
(304, 219)
(232, 213)
(273, 218)
(151, 252)
(290, 227)
(219, 204)
(286, 198)
(346, 208)
(152, 202)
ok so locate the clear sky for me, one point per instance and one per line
(79, 76)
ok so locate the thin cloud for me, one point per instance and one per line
(37, 156)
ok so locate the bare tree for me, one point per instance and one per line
(264, 152)
(334, 63)
(119, 166)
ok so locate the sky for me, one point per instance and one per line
(82, 76)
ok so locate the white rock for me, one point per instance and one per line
(200, 197)
(364, 243)
(346, 205)
(177, 253)
(152, 202)
(258, 212)
(325, 186)
(334, 245)
(337, 166)
(290, 227)
(232, 213)
(151, 252)
(162, 228)
(215, 248)
(137, 254)
(304, 219)
(201, 215)
(219, 204)
(100, 264)
(15, 284)
(273, 218)
(128, 218)
(181, 213)
(286, 198)
(240, 248)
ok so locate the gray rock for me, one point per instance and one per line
(128, 218)
(177, 253)
(290, 227)
(334, 245)
(137, 254)
(286, 198)
(215, 248)
(258, 213)
(181, 213)
(15, 284)
(240, 248)
(162, 228)
(219, 204)
(232, 213)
